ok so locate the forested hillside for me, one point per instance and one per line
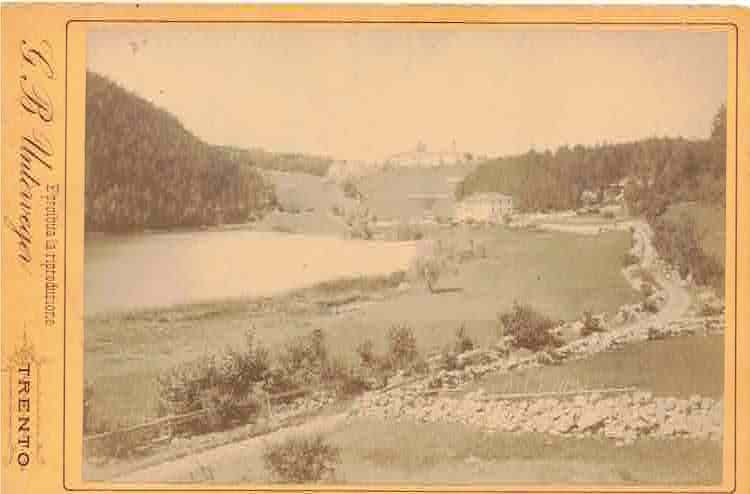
(283, 162)
(145, 170)
(663, 171)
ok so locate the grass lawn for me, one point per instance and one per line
(710, 221)
(561, 274)
(680, 366)
(381, 452)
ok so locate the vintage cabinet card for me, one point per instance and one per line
(377, 249)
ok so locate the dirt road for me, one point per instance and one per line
(207, 464)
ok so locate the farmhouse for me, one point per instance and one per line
(489, 207)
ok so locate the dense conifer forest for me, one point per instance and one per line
(145, 170)
(661, 171)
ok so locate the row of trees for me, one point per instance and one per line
(145, 170)
(283, 162)
(663, 170)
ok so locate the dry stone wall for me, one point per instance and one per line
(623, 417)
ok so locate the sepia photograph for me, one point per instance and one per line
(419, 254)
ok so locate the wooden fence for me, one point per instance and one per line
(147, 435)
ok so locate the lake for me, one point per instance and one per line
(131, 272)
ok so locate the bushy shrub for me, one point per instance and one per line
(347, 380)
(181, 388)
(305, 358)
(591, 324)
(529, 328)
(647, 290)
(401, 355)
(301, 459)
(305, 361)
(223, 384)
(373, 367)
(402, 347)
(629, 259)
(350, 190)
(463, 342)
(650, 305)
(359, 221)
(711, 310)
(429, 269)
(366, 353)
(227, 410)
(449, 360)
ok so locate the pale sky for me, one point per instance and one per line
(368, 91)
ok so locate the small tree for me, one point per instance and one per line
(428, 269)
(463, 342)
(402, 347)
(299, 460)
(366, 353)
(350, 190)
(591, 324)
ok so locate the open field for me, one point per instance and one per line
(378, 452)
(307, 204)
(679, 367)
(387, 193)
(125, 352)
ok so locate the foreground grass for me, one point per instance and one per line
(680, 367)
(379, 452)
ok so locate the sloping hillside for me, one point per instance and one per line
(145, 170)
(405, 193)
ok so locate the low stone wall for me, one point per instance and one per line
(624, 418)
(478, 363)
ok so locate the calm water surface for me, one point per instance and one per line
(160, 269)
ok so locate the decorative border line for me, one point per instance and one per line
(426, 489)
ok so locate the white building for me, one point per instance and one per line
(489, 207)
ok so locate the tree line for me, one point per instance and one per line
(145, 170)
(283, 162)
(661, 171)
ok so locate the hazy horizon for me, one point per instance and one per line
(368, 91)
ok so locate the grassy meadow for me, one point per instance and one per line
(559, 273)
(679, 367)
(379, 452)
